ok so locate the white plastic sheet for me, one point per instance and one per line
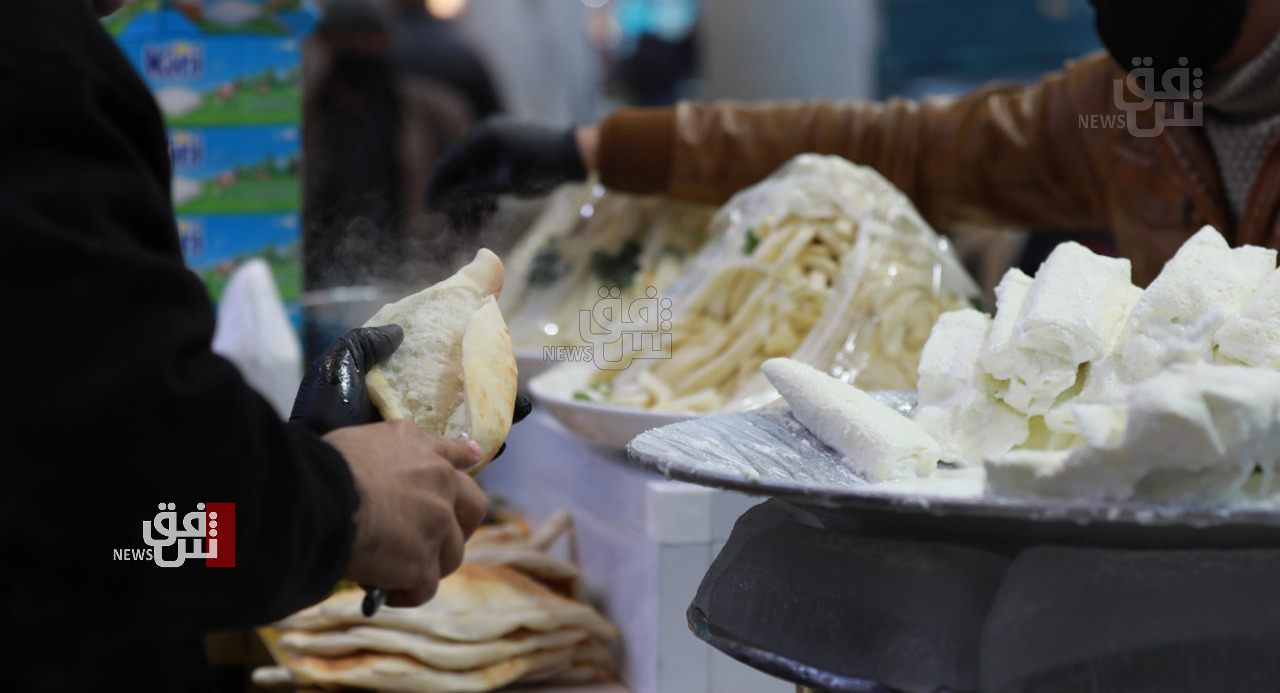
(255, 334)
(819, 231)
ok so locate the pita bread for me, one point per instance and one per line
(561, 576)
(434, 652)
(578, 673)
(477, 603)
(594, 652)
(455, 373)
(387, 672)
(515, 546)
(506, 529)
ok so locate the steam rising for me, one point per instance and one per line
(430, 250)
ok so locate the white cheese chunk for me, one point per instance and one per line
(1174, 320)
(1076, 306)
(956, 402)
(999, 349)
(1030, 379)
(1072, 313)
(1192, 431)
(877, 441)
(1252, 335)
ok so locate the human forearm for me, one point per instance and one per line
(1004, 155)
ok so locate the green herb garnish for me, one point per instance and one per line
(752, 241)
(617, 270)
(546, 267)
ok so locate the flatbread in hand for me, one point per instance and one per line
(455, 373)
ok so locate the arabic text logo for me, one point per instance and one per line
(209, 532)
(642, 331)
(1179, 90)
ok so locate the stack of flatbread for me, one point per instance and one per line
(490, 625)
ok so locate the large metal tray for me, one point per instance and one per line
(767, 452)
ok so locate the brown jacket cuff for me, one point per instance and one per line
(636, 149)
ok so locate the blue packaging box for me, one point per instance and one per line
(193, 18)
(146, 19)
(215, 245)
(235, 170)
(221, 81)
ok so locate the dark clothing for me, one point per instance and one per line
(355, 236)
(429, 48)
(365, 173)
(116, 403)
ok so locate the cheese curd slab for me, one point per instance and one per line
(1174, 320)
(1045, 328)
(1076, 306)
(1194, 431)
(879, 443)
(1252, 335)
(1030, 380)
(998, 348)
(956, 403)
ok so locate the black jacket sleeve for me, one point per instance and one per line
(115, 402)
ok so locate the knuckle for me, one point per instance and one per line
(450, 562)
(428, 591)
(437, 474)
(436, 511)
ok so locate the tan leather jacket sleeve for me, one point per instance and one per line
(1005, 155)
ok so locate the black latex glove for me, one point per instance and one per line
(333, 394)
(502, 156)
(523, 406)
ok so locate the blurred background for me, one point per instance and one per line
(304, 133)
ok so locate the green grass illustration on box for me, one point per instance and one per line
(235, 170)
(141, 18)
(268, 97)
(221, 80)
(195, 18)
(214, 17)
(214, 246)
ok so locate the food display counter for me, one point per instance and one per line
(642, 542)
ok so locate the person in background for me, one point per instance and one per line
(431, 48)
(371, 137)
(1002, 156)
(118, 405)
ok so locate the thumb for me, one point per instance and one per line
(373, 345)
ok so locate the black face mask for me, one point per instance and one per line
(1202, 31)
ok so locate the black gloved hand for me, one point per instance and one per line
(502, 156)
(333, 394)
(523, 406)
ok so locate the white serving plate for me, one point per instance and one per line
(606, 424)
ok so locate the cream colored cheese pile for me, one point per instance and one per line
(1093, 388)
(1084, 386)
